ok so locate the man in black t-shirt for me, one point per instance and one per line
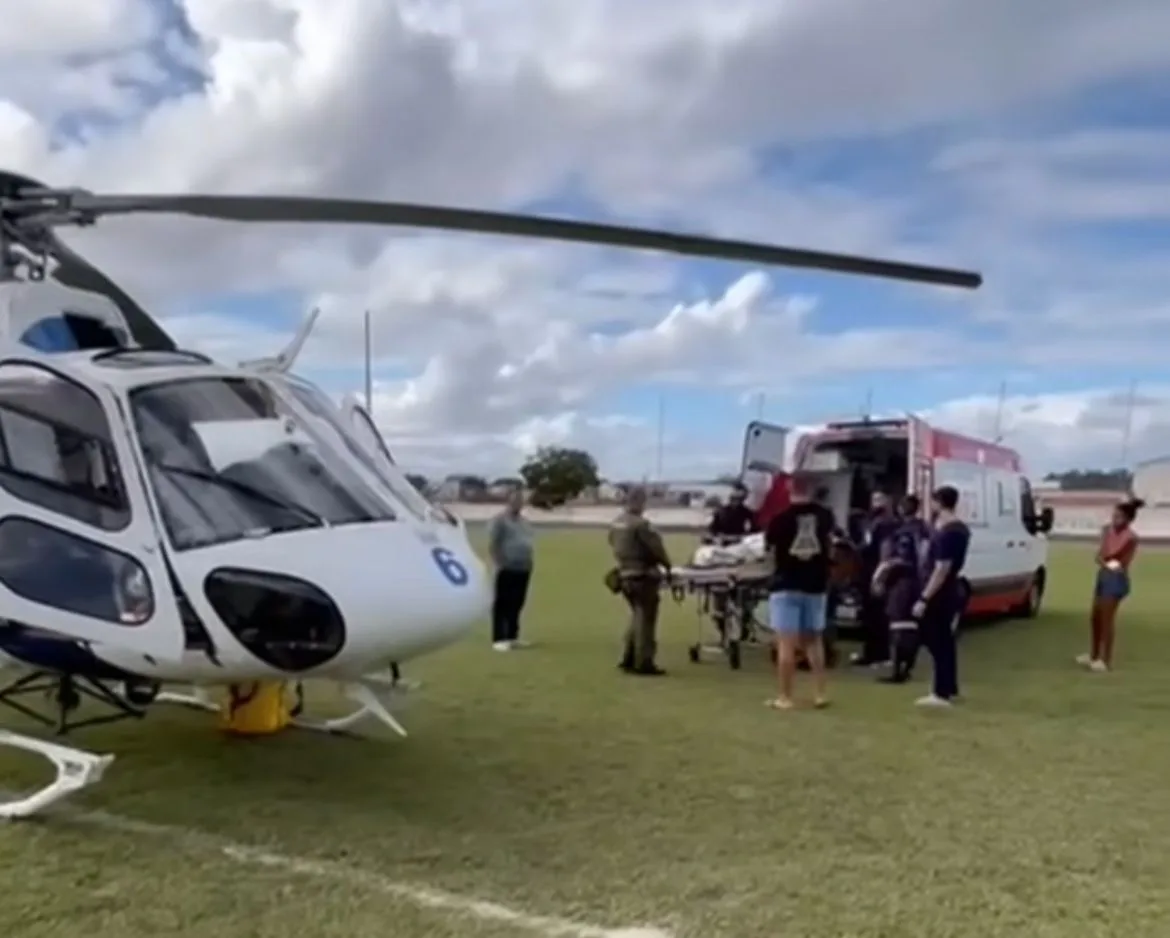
(799, 540)
(735, 519)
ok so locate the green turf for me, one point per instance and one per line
(547, 781)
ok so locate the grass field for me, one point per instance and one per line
(545, 781)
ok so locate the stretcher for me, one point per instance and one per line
(731, 607)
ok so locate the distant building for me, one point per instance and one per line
(698, 494)
(1151, 482)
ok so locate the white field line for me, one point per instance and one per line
(193, 841)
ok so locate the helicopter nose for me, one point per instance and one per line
(432, 595)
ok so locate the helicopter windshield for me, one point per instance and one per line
(229, 459)
(324, 410)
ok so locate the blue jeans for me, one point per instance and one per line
(791, 613)
(1111, 584)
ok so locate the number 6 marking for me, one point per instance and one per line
(450, 566)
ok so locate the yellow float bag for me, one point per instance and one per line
(257, 709)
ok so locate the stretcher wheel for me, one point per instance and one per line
(694, 653)
(733, 656)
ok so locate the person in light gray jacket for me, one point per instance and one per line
(510, 549)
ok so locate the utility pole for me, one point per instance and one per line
(1127, 427)
(1001, 401)
(369, 358)
(661, 437)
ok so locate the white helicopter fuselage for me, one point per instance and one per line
(167, 518)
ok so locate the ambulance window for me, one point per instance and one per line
(56, 448)
(1007, 499)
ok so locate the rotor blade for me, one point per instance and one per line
(73, 270)
(349, 211)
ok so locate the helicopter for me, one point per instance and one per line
(170, 521)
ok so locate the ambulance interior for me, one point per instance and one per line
(852, 461)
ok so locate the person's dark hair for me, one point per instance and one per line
(1130, 507)
(947, 497)
(911, 505)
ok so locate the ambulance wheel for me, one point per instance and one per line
(1030, 607)
(694, 653)
(734, 658)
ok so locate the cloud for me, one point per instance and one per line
(1096, 427)
(947, 131)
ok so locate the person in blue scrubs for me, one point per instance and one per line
(941, 601)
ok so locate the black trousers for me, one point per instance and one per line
(936, 632)
(511, 594)
(875, 627)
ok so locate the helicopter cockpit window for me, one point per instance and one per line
(72, 332)
(56, 448)
(228, 459)
(384, 468)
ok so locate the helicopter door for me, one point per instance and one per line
(79, 554)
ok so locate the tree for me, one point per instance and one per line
(1092, 480)
(556, 474)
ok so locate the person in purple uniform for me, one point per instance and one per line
(899, 583)
(940, 604)
(879, 528)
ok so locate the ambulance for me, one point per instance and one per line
(1007, 564)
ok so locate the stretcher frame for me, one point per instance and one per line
(746, 588)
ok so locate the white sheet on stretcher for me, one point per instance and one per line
(749, 550)
(724, 573)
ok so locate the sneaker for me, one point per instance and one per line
(1099, 667)
(501, 646)
(932, 701)
(1084, 661)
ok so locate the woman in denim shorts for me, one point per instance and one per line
(1119, 543)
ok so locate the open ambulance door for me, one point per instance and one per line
(764, 451)
(921, 476)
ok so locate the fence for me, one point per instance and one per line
(1072, 523)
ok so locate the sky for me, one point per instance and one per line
(1030, 142)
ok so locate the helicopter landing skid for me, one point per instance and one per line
(76, 769)
(371, 694)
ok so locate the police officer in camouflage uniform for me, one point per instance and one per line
(641, 561)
